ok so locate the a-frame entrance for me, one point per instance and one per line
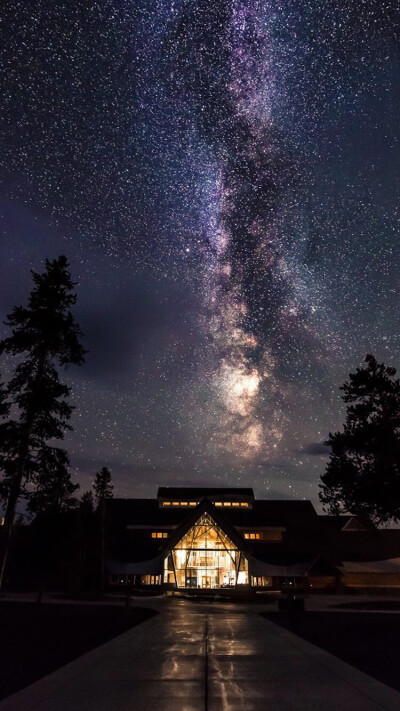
(205, 558)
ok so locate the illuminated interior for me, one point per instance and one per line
(206, 558)
(272, 535)
(186, 504)
(179, 504)
(228, 504)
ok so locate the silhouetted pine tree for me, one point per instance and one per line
(102, 486)
(88, 545)
(44, 335)
(363, 472)
(4, 404)
(87, 504)
(103, 490)
(4, 411)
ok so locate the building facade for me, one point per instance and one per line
(197, 539)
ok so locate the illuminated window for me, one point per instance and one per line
(159, 534)
(180, 503)
(237, 504)
(151, 579)
(273, 535)
(261, 581)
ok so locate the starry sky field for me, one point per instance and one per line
(224, 180)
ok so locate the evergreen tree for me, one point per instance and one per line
(102, 486)
(87, 504)
(103, 489)
(4, 404)
(86, 560)
(44, 335)
(53, 486)
(4, 411)
(363, 472)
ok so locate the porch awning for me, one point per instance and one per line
(154, 566)
(391, 565)
(273, 570)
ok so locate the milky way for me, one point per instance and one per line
(224, 179)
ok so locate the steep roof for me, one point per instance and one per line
(216, 514)
(349, 522)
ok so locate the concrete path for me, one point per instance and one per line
(194, 657)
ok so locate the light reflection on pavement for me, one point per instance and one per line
(205, 657)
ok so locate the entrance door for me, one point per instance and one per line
(206, 581)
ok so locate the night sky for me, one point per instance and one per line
(224, 180)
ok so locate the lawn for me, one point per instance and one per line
(37, 639)
(368, 641)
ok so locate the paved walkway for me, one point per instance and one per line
(201, 657)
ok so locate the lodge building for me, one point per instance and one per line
(225, 538)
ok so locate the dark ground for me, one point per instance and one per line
(37, 639)
(369, 642)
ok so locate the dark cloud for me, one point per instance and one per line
(318, 449)
(116, 328)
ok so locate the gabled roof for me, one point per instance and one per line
(205, 506)
(349, 522)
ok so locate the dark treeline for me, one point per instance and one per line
(60, 550)
(64, 546)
